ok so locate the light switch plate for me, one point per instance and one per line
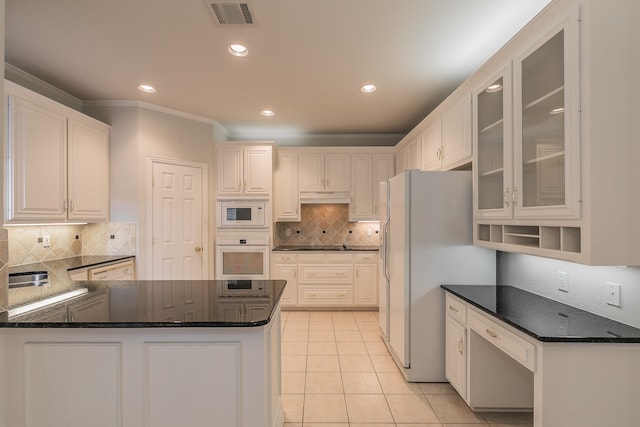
(563, 281)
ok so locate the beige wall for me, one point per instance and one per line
(139, 134)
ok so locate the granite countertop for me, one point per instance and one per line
(340, 248)
(542, 318)
(59, 279)
(142, 304)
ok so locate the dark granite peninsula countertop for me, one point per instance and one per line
(542, 318)
(59, 280)
(326, 248)
(158, 304)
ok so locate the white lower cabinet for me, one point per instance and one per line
(366, 279)
(490, 366)
(456, 346)
(161, 377)
(327, 279)
(121, 270)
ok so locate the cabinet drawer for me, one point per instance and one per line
(119, 271)
(456, 309)
(311, 258)
(371, 258)
(326, 295)
(285, 258)
(339, 258)
(326, 273)
(515, 346)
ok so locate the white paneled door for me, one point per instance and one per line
(178, 249)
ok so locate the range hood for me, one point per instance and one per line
(325, 197)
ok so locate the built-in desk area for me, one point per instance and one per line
(508, 349)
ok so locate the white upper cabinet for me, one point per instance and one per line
(383, 169)
(287, 194)
(88, 171)
(432, 146)
(414, 153)
(362, 193)
(493, 146)
(553, 168)
(244, 170)
(446, 139)
(325, 172)
(57, 166)
(368, 171)
(546, 125)
(457, 147)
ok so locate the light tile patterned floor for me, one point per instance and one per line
(337, 372)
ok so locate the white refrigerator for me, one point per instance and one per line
(427, 241)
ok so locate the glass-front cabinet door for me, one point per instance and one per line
(546, 126)
(492, 130)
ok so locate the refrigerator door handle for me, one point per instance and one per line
(385, 257)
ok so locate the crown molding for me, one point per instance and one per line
(24, 79)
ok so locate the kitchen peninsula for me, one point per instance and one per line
(160, 353)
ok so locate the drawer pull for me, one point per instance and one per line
(492, 334)
(454, 309)
(460, 346)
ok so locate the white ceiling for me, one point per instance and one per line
(307, 58)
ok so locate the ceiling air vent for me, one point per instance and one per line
(231, 13)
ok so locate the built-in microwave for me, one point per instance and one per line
(242, 213)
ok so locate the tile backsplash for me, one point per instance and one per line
(25, 245)
(328, 225)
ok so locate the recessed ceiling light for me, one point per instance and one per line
(494, 88)
(238, 50)
(559, 110)
(147, 89)
(368, 88)
(267, 113)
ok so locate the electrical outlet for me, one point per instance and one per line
(613, 294)
(287, 232)
(563, 281)
(563, 324)
(369, 232)
(46, 241)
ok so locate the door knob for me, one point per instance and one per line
(198, 248)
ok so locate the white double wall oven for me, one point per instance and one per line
(242, 239)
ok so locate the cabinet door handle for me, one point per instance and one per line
(514, 197)
(452, 308)
(492, 334)
(71, 206)
(65, 205)
(460, 346)
(198, 248)
(506, 198)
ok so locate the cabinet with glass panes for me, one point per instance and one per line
(527, 147)
(555, 137)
